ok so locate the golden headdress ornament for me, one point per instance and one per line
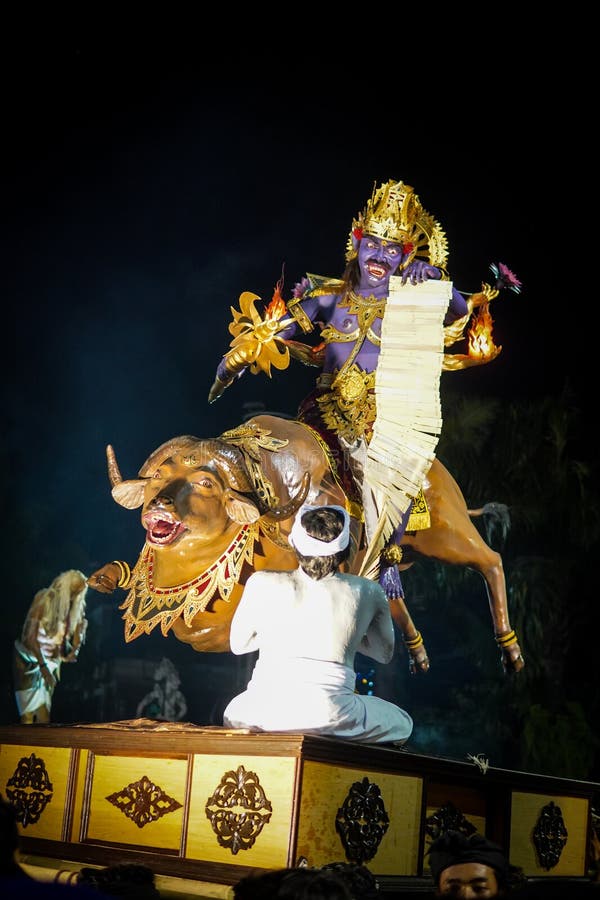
(394, 213)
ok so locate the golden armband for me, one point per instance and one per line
(297, 312)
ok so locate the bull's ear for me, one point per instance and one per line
(240, 508)
(129, 494)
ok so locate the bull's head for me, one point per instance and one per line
(189, 485)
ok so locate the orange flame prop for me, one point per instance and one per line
(276, 308)
(480, 340)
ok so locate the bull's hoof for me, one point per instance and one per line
(418, 666)
(513, 664)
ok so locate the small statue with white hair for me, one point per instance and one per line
(53, 633)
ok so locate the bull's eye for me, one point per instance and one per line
(204, 483)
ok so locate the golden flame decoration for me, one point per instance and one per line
(254, 342)
(480, 341)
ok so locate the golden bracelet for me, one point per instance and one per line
(415, 642)
(506, 640)
(125, 571)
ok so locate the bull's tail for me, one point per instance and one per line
(496, 517)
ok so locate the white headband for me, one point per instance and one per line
(310, 546)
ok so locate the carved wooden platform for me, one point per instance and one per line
(210, 804)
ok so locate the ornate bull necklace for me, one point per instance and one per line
(147, 606)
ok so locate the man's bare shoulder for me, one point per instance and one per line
(365, 585)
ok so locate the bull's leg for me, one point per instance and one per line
(453, 539)
(492, 571)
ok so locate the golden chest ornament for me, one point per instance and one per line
(366, 310)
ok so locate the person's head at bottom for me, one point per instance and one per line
(133, 880)
(292, 884)
(357, 877)
(468, 866)
(321, 538)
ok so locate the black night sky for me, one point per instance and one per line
(142, 193)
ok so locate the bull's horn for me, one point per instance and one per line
(174, 445)
(129, 494)
(114, 474)
(226, 458)
(290, 509)
(229, 459)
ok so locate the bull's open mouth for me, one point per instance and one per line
(161, 528)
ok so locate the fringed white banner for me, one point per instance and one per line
(407, 391)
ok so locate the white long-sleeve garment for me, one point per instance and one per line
(307, 633)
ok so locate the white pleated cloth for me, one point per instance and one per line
(316, 697)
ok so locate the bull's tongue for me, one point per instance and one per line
(162, 531)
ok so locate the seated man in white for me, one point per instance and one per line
(308, 625)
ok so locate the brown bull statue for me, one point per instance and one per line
(215, 510)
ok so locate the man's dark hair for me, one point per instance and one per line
(360, 880)
(292, 884)
(324, 524)
(133, 880)
(453, 848)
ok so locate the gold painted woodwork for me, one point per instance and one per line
(525, 811)
(277, 776)
(478, 823)
(305, 779)
(324, 789)
(56, 762)
(471, 803)
(108, 823)
(77, 830)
